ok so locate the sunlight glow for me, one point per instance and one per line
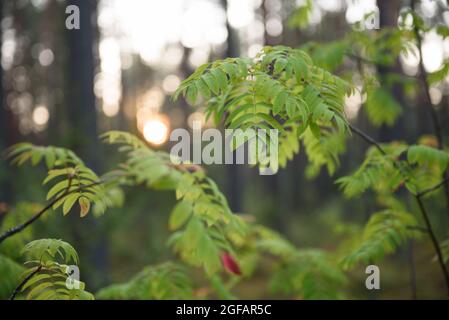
(203, 22)
(46, 57)
(240, 12)
(358, 9)
(198, 56)
(274, 26)
(196, 117)
(138, 27)
(432, 50)
(8, 49)
(429, 8)
(156, 131)
(435, 95)
(410, 62)
(330, 5)
(108, 83)
(41, 115)
(154, 99)
(353, 103)
(171, 83)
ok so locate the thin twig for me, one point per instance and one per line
(360, 59)
(24, 281)
(434, 241)
(435, 187)
(367, 138)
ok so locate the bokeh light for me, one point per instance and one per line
(41, 115)
(46, 57)
(171, 83)
(432, 50)
(156, 130)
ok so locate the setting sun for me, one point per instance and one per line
(155, 131)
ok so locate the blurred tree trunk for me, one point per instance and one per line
(58, 120)
(389, 12)
(281, 185)
(81, 98)
(235, 187)
(268, 40)
(186, 70)
(3, 125)
(388, 18)
(82, 124)
(6, 127)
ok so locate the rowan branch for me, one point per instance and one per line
(367, 138)
(423, 210)
(35, 217)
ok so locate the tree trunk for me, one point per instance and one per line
(81, 98)
(234, 172)
(388, 18)
(82, 128)
(5, 127)
(3, 124)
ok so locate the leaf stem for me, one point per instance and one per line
(367, 138)
(434, 240)
(24, 282)
(435, 187)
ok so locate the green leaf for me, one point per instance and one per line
(180, 215)
(57, 188)
(69, 202)
(424, 155)
(382, 108)
(279, 102)
(291, 107)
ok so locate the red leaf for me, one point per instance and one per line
(230, 264)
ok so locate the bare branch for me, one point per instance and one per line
(367, 138)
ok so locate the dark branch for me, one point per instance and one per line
(435, 187)
(364, 60)
(367, 138)
(434, 239)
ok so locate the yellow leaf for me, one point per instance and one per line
(84, 205)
